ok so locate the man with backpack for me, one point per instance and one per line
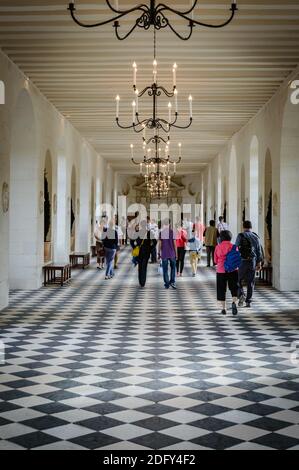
(250, 248)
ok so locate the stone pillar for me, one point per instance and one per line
(4, 208)
(83, 239)
(62, 221)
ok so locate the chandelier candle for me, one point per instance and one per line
(117, 106)
(155, 70)
(174, 74)
(134, 74)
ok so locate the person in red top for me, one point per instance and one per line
(181, 241)
(198, 228)
(223, 278)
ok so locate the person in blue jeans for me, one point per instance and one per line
(167, 251)
(250, 248)
(110, 243)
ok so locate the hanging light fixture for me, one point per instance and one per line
(154, 91)
(152, 15)
(158, 188)
(156, 168)
(154, 161)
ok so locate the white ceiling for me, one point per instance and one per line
(231, 72)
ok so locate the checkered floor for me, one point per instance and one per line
(106, 365)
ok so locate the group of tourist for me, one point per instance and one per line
(151, 242)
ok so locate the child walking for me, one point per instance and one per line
(224, 278)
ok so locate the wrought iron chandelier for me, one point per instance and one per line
(154, 162)
(152, 15)
(158, 188)
(156, 168)
(154, 91)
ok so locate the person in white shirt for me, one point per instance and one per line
(194, 246)
(154, 234)
(120, 237)
(221, 225)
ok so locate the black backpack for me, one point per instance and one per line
(246, 248)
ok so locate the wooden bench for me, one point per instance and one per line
(265, 275)
(55, 273)
(79, 260)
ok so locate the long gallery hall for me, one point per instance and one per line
(149, 223)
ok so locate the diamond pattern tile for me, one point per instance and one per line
(106, 365)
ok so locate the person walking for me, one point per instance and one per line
(210, 234)
(123, 225)
(167, 251)
(194, 245)
(99, 245)
(110, 243)
(221, 226)
(120, 237)
(145, 243)
(198, 228)
(154, 233)
(224, 278)
(181, 241)
(250, 248)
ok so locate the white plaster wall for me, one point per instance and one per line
(288, 205)
(56, 135)
(267, 126)
(4, 178)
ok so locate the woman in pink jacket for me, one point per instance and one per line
(222, 277)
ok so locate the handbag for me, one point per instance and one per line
(160, 268)
(136, 250)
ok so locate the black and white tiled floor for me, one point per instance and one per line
(107, 365)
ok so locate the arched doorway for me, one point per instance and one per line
(62, 247)
(219, 190)
(48, 246)
(254, 184)
(213, 203)
(243, 214)
(224, 199)
(268, 207)
(26, 199)
(233, 193)
(73, 211)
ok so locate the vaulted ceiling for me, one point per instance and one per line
(231, 72)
